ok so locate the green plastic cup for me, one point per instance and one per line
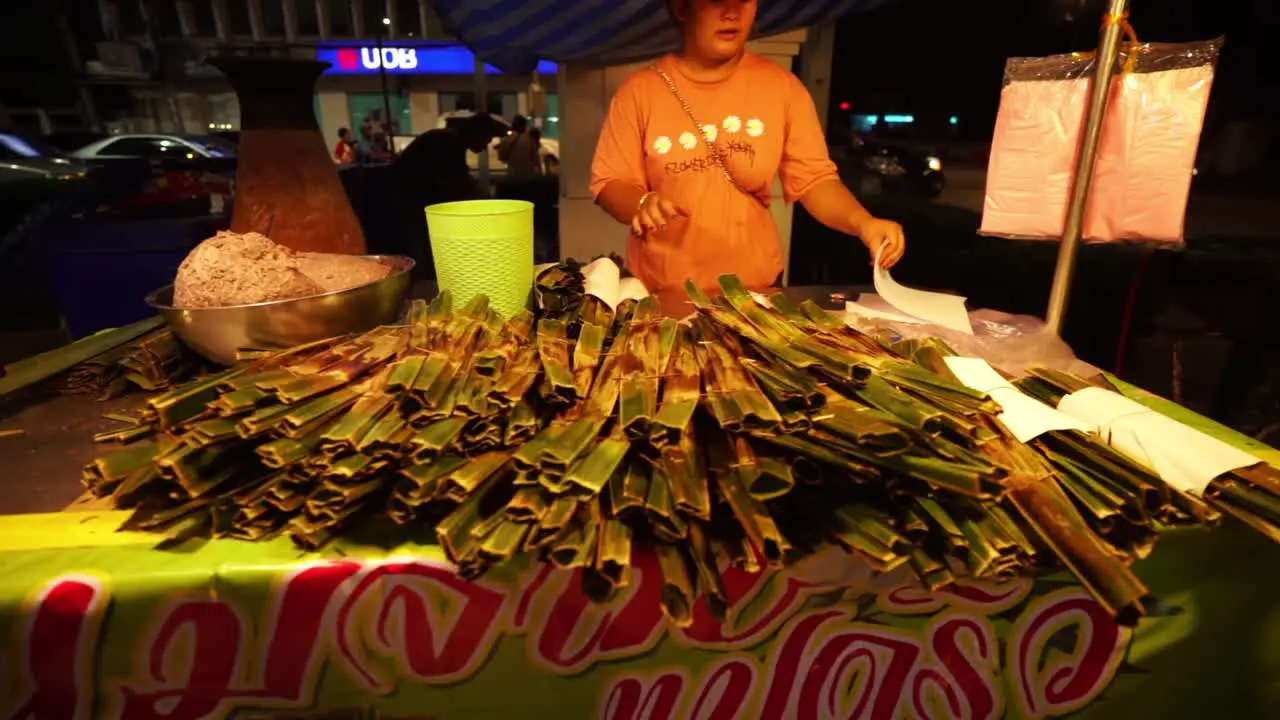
(484, 246)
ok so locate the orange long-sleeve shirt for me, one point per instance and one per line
(766, 126)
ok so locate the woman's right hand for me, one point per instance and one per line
(653, 214)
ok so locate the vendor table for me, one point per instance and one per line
(99, 623)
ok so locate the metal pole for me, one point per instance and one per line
(386, 97)
(1095, 112)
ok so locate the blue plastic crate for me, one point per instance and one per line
(103, 269)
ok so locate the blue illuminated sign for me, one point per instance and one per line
(410, 59)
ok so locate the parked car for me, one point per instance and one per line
(68, 141)
(23, 159)
(549, 148)
(888, 168)
(159, 147)
(162, 174)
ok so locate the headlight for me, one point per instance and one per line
(935, 164)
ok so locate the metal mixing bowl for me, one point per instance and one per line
(217, 333)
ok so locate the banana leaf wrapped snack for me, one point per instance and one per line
(1203, 475)
(108, 364)
(155, 361)
(746, 436)
(557, 289)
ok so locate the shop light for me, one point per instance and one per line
(407, 58)
(899, 119)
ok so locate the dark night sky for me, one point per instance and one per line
(940, 57)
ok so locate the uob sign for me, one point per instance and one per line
(391, 58)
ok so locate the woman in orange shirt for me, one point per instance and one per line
(691, 146)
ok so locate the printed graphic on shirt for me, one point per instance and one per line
(731, 125)
(705, 162)
(732, 144)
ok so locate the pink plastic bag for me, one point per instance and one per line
(1146, 155)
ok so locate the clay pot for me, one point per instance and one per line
(287, 187)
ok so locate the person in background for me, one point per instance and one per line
(363, 145)
(376, 142)
(541, 162)
(433, 169)
(344, 153)
(376, 148)
(373, 125)
(525, 180)
(519, 151)
(690, 148)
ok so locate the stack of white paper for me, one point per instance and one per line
(941, 309)
(1026, 417)
(1182, 456)
(864, 310)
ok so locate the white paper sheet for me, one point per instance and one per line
(941, 309)
(857, 308)
(630, 288)
(1184, 457)
(1026, 417)
(601, 278)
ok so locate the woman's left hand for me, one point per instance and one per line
(883, 235)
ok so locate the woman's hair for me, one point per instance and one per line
(342, 132)
(671, 9)
(519, 123)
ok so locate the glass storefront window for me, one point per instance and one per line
(551, 123)
(503, 104)
(455, 101)
(367, 110)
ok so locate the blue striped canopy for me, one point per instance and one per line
(514, 34)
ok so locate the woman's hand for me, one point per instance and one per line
(883, 235)
(831, 204)
(653, 213)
